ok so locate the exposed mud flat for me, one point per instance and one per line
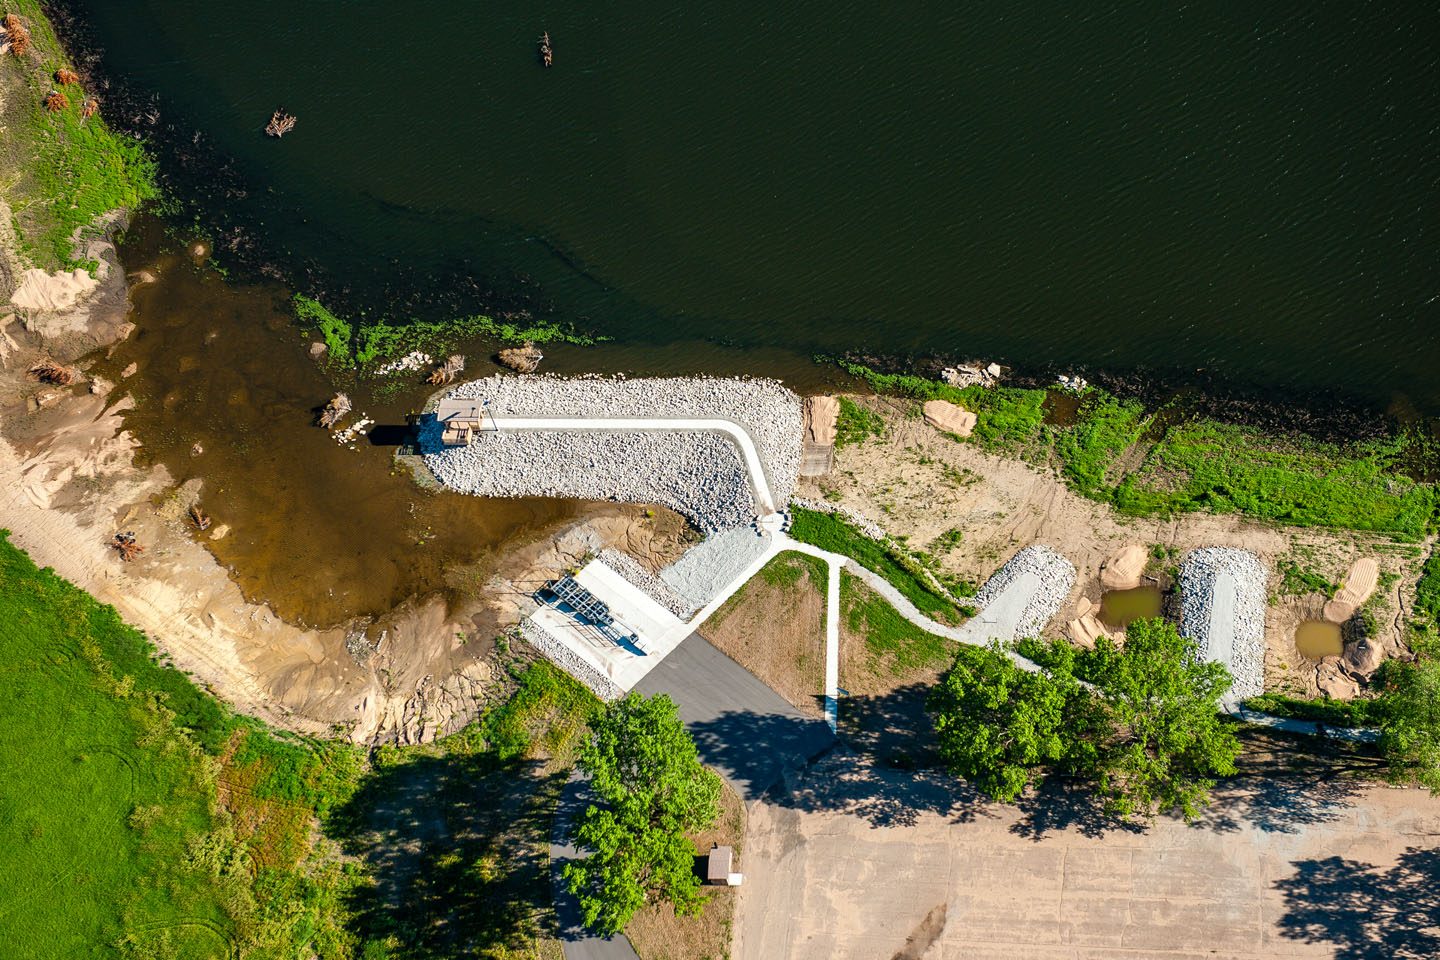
(415, 584)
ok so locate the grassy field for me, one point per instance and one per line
(59, 171)
(1145, 466)
(141, 818)
(830, 532)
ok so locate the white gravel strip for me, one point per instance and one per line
(646, 582)
(1222, 607)
(699, 475)
(709, 567)
(561, 655)
(770, 413)
(1054, 576)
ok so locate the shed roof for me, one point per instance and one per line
(718, 866)
(454, 409)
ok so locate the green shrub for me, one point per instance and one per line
(856, 424)
(1335, 713)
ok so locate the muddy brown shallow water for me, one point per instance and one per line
(321, 532)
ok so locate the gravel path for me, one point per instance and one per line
(1222, 607)
(700, 474)
(1053, 579)
(708, 567)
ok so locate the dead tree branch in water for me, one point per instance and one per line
(524, 359)
(125, 544)
(198, 515)
(49, 371)
(446, 372)
(547, 53)
(334, 411)
(280, 124)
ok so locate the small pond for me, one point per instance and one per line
(1118, 608)
(1317, 639)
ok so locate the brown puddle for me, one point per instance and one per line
(1061, 408)
(1318, 639)
(1120, 608)
(319, 531)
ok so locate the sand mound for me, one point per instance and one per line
(949, 417)
(46, 293)
(1123, 570)
(1359, 584)
(820, 416)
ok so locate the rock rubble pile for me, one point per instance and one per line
(1057, 578)
(699, 474)
(1198, 575)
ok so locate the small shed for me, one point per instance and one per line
(717, 867)
(462, 419)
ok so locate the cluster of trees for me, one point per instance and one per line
(643, 766)
(1141, 722)
(1409, 710)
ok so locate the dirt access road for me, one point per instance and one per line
(870, 863)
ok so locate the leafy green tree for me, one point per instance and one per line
(1410, 708)
(1164, 739)
(1142, 721)
(999, 725)
(643, 765)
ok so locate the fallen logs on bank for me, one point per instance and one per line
(48, 371)
(125, 545)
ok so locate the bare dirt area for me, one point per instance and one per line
(864, 862)
(423, 668)
(922, 484)
(657, 934)
(775, 628)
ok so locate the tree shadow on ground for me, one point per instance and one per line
(885, 768)
(459, 849)
(1279, 804)
(1367, 912)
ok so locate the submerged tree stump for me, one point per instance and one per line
(334, 411)
(280, 124)
(447, 371)
(524, 359)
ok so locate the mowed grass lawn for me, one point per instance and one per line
(99, 791)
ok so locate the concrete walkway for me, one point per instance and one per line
(755, 468)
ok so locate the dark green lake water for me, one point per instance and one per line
(1251, 189)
